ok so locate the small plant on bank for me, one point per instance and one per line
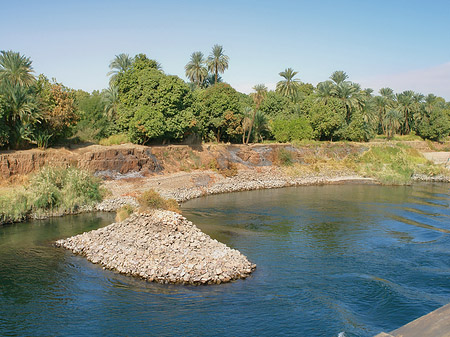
(49, 191)
(284, 157)
(124, 212)
(152, 200)
(117, 139)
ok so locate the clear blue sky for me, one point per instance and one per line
(401, 44)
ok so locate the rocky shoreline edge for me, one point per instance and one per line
(161, 246)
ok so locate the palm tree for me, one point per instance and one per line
(210, 80)
(406, 104)
(339, 77)
(196, 70)
(350, 95)
(246, 121)
(387, 93)
(324, 91)
(260, 124)
(110, 97)
(258, 97)
(391, 122)
(289, 87)
(217, 61)
(22, 106)
(120, 64)
(15, 68)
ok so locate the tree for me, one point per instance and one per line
(196, 70)
(327, 119)
(392, 122)
(110, 98)
(217, 108)
(339, 77)
(120, 64)
(324, 91)
(289, 87)
(406, 105)
(15, 69)
(258, 97)
(217, 61)
(150, 99)
(57, 109)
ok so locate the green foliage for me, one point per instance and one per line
(436, 126)
(218, 109)
(327, 119)
(287, 130)
(394, 164)
(152, 200)
(51, 190)
(276, 106)
(120, 138)
(284, 157)
(153, 106)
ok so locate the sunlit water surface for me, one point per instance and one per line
(349, 259)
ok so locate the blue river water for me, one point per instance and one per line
(348, 260)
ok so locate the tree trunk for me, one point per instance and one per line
(251, 126)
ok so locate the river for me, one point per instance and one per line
(353, 260)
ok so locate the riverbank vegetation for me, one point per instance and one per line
(50, 191)
(145, 105)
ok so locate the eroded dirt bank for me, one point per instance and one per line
(117, 161)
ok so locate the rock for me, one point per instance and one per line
(144, 245)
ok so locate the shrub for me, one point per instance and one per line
(284, 157)
(124, 212)
(64, 190)
(152, 200)
(117, 139)
(286, 130)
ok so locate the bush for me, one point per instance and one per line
(118, 139)
(284, 157)
(51, 189)
(152, 200)
(287, 130)
(124, 212)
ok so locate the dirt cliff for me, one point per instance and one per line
(129, 159)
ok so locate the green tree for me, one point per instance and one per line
(15, 69)
(217, 108)
(339, 77)
(149, 98)
(110, 98)
(406, 105)
(295, 128)
(392, 122)
(217, 62)
(258, 97)
(290, 86)
(327, 119)
(120, 64)
(324, 91)
(196, 69)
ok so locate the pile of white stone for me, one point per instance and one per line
(161, 246)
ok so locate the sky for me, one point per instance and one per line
(399, 44)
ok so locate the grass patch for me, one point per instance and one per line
(284, 157)
(51, 190)
(394, 164)
(118, 139)
(152, 200)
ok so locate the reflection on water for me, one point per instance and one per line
(331, 259)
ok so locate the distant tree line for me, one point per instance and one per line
(147, 106)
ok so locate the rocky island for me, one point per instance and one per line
(161, 246)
